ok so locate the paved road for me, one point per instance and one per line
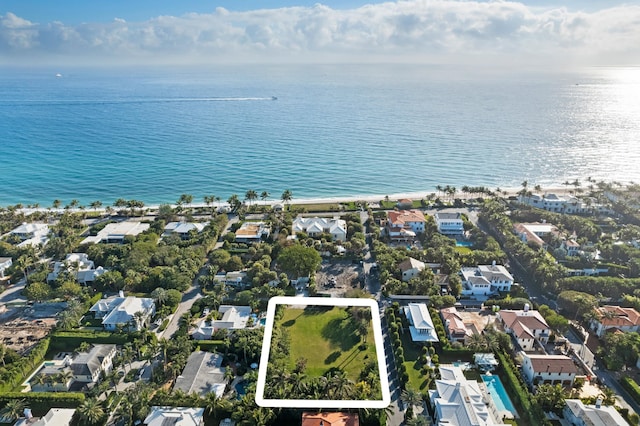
(397, 417)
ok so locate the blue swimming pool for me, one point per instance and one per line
(498, 393)
(464, 244)
(241, 389)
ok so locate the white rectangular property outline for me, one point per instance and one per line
(322, 403)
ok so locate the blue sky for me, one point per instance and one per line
(591, 32)
(79, 11)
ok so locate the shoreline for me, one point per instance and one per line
(373, 198)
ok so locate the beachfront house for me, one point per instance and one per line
(233, 318)
(410, 268)
(526, 326)
(420, 323)
(122, 312)
(185, 230)
(317, 226)
(54, 417)
(458, 401)
(615, 318)
(79, 265)
(175, 416)
(450, 224)
(484, 280)
(117, 232)
(549, 369)
(202, 374)
(88, 366)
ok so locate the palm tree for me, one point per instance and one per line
(159, 295)
(39, 379)
(264, 195)
(95, 205)
(139, 318)
(56, 204)
(185, 199)
(339, 386)
(286, 196)
(250, 195)
(212, 403)
(418, 421)
(13, 409)
(90, 411)
(84, 347)
(234, 202)
(411, 396)
(3, 353)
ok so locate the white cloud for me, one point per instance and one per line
(413, 29)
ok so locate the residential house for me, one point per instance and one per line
(405, 224)
(80, 266)
(88, 366)
(571, 246)
(202, 374)
(330, 419)
(233, 318)
(484, 280)
(54, 417)
(252, 232)
(316, 226)
(5, 263)
(420, 323)
(556, 203)
(549, 369)
(121, 311)
(579, 414)
(450, 224)
(31, 234)
(233, 278)
(442, 281)
(615, 318)
(175, 416)
(454, 325)
(458, 401)
(117, 232)
(410, 268)
(405, 203)
(183, 229)
(526, 326)
(535, 232)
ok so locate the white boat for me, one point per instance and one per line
(58, 75)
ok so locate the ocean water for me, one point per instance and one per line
(153, 134)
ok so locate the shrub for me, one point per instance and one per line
(632, 387)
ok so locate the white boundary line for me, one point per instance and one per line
(322, 403)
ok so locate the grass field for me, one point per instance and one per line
(327, 339)
(320, 207)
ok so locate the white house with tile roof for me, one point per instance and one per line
(175, 416)
(120, 311)
(183, 229)
(549, 369)
(526, 326)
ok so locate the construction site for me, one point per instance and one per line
(21, 327)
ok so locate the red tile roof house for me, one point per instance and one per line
(615, 317)
(405, 224)
(330, 419)
(549, 369)
(526, 326)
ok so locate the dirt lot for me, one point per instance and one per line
(27, 325)
(336, 278)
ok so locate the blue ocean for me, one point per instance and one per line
(345, 130)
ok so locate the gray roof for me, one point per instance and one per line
(445, 216)
(87, 363)
(202, 374)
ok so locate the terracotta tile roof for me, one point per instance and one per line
(553, 364)
(530, 319)
(615, 316)
(330, 419)
(399, 218)
(411, 263)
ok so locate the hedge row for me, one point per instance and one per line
(66, 341)
(210, 345)
(528, 410)
(41, 402)
(16, 372)
(632, 387)
(445, 344)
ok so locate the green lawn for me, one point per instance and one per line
(327, 339)
(463, 250)
(320, 207)
(412, 353)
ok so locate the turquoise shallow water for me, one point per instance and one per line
(333, 131)
(498, 393)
